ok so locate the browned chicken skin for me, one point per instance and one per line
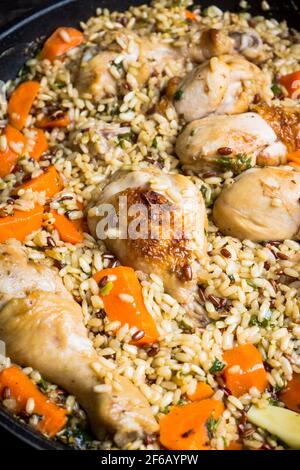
(42, 327)
(177, 259)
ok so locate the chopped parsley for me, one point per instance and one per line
(276, 90)
(122, 137)
(211, 426)
(43, 385)
(251, 284)
(154, 143)
(240, 163)
(264, 323)
(58, 85)
(178, 95)
(105, 290)
(217, 366)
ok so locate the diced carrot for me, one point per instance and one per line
(49, 123)
(234, 445)
(125, 303)
(294, 157)
(68, 230)
(291, 82)
(188, 427)
(21, 224)
(20, 103)
(244, 369)
(41, 144)
(9, 157)
(189, 15)
(50, 182)
(291, 395)
(60, 42)
(53, 418)
(203, 391)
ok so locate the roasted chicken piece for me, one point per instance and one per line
(171, 242)
(223, 85)
(210, 142)
(42, 327)
(262, 205)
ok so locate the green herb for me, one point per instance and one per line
(217, 366)
(178, 95)
(154, 143)
(253, 320)
(122, 137)
(118, 65)
(58, 85)
(251, 283)
(165, 410)
(207, 195)
(183, 325)
(105, 290)
(264, 323)
(274, 402)
(276, 90)
(211, 426)
(43, 385)
(76, 433)
(238, 164)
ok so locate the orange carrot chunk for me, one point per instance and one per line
(291, 82)
(53, 418)
(50, 182)
(123, 301)
(203, 390)
(60, 42)
(20, 103)
(291, 395)
(244, 369)
(15, 147)
(40, 146)
(294, 157)
(21, 224)
(69, 231)
(52, 122)
(234, 445)
(189, 427)
(189, 15)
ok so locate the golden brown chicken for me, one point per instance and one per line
(171, 242)
(262, 204)
(226, 84)
(42, 327)
(216, 142)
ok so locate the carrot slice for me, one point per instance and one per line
(50, 182)
(21, 224)
(291, 395)
(291, 82)
(41, 144)
(9, 157)
(20, 103)
(294, 157)
(60, 42)
(53, 418)
(68, 230)
(188, 427)
(124, 302)
(189, 15)
(203, 391)
(49, 123)
(244, 369)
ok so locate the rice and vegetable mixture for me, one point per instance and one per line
(206, 383)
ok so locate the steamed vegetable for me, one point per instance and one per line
(53, 418)
(51, 122)
(291, 395)
(9, 157)
(50, 182)
(123, 301)
(191, 426)
(21, 224)
(203, 391)
(41, 144)
(189, 15)
(291, 82)
(60, 42)
(294, 157)
(283, 423)
(69, 230)
(244, 369)
(20, 103)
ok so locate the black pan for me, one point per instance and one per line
(17, 42)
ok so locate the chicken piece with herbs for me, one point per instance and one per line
(42, 327)
(235, 142)
(227, 84)
(261, 205)
(170, 242)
